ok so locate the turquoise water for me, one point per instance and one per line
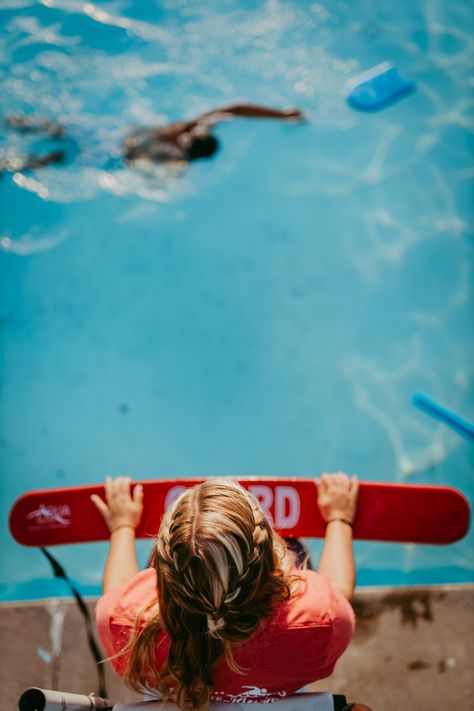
(269, 311)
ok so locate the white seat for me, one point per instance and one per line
(35, 699)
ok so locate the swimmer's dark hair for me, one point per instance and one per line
(202, 147)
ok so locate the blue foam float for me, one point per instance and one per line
(378, 87)
(450, 418)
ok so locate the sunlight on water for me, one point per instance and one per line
(269, 311)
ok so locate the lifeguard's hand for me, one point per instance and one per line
(337, 496)
(121, 507)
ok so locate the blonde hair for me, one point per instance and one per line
(220, 571)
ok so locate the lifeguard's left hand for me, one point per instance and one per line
(121, 507)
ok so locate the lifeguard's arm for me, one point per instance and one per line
(122, 512)
(337, 499)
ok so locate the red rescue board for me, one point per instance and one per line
(403, 513)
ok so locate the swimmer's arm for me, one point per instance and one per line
(337, 500)
(211, 118)
(248, 111)
(122, 512)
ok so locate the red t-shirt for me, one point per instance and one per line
(298, 644)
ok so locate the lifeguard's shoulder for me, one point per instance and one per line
(317, 604)
(124, 604)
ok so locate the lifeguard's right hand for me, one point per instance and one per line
(337, 496)
(120, 508)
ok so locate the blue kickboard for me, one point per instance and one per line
(378, 87)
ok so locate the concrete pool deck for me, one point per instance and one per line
(412, 649)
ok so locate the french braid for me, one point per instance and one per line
(220, 571)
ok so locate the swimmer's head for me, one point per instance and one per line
(202, 146)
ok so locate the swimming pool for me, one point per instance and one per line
(269, 311)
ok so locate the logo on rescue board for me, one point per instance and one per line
(253, 695)
(280, 504)
(50, 516)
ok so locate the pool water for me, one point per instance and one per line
(269, 311)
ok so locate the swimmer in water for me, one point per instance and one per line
(192, 140)
(184, 141)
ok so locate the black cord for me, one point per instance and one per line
(59, 572)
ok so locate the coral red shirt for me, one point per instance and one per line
(298, 644)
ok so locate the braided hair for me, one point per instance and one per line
(220, 571)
